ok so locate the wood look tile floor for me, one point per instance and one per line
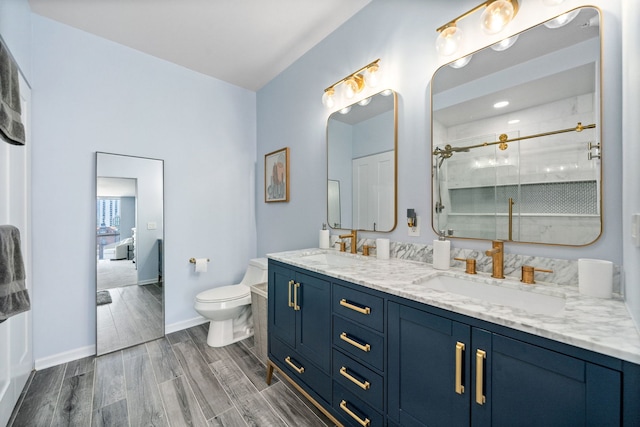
(177, 380)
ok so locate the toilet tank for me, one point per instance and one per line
(256, 272)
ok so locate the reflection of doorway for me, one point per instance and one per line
(115, 236)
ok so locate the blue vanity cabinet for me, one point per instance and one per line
(443, 372)
(299, 319)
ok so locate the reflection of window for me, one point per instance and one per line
(108, 211)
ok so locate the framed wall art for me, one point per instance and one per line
(276, 176)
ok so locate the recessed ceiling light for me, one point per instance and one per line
(513, 122)
(501, 104)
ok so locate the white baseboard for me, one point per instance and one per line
(148, 282)
(90, 350)
(184, 324)
(67, 356)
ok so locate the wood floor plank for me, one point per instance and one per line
(199, 336)
(164, 361)
(134, 351)
(80, 366)
(179, 336)
(251, 405)
(210, 395)
(180, 403)
(290, 408)
(114, 415)
(143, 396)
(230, 418)
(39, 403)
(74, 402)
(109, 383)
(250, 365)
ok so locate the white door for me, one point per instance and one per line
(373, 192)
(16, 357)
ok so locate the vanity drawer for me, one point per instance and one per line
(359, 306)
(358, 379)
(298, 368)
(354, 411)
(364, 344)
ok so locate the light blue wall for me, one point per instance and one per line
(92, 95)
(15, 28)
(402, 33)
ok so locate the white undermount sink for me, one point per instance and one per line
(332, 259)
(533, 302)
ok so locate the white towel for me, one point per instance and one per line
(14, 298)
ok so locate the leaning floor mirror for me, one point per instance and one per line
(129, 251)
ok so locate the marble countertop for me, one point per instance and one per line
(601, 325)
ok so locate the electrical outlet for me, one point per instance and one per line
(151, 226)
(415, 231)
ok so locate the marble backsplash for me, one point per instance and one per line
(565, 271)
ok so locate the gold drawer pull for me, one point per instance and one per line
(299, 370)
(290, 300)
(363, 423)
(459, 353)
(363, 385)
(481, 355)
(296, 291)
(365, 347)
(345, 303)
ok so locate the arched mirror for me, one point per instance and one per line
(129, 251)
(516, 137)
(361, 164)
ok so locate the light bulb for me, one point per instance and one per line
(365, 101)
(353, 85)
(562, 20)
(371, 76)
(504, 44)
(496, 16)
(345, 110)
(461, 62)
(449, 41)
(328, 99)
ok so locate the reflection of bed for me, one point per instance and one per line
(124, 249)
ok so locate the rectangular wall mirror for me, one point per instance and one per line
(129, 251)
(362, 164)
(542, 184)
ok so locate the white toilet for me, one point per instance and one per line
(229, 307)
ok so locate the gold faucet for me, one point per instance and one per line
(497, 255)
(354, 240)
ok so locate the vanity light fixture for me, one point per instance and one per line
(353, 83)
(496, 16)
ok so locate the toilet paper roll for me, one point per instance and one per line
(324, 239)
(595, 277)
(382, 248)
(201, 265)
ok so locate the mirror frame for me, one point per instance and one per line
(395, 165)
(161, 248)
(598, 116)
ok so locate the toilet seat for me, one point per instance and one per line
(224, 293)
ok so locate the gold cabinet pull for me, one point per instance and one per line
(363, 347)
(364, 423)
(296, 291)
(290, 300)
(363, 310)
(459, 354)
(363, 385)
(481, 355)
(299, 370)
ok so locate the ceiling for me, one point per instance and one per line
(243, 42)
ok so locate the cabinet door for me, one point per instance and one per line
(314, 319)
(423, 351)
(282, 317)
(526, 385)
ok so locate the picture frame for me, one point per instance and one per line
(276, 176)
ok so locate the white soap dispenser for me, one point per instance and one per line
(441, 253)
(324, 237)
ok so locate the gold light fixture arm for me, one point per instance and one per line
(353, 75)
(449, 150)
(453, 22)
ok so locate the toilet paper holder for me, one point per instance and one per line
(193, 260)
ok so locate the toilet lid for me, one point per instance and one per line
(224, 293)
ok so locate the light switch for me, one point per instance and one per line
(151, 226)
(415, 231)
